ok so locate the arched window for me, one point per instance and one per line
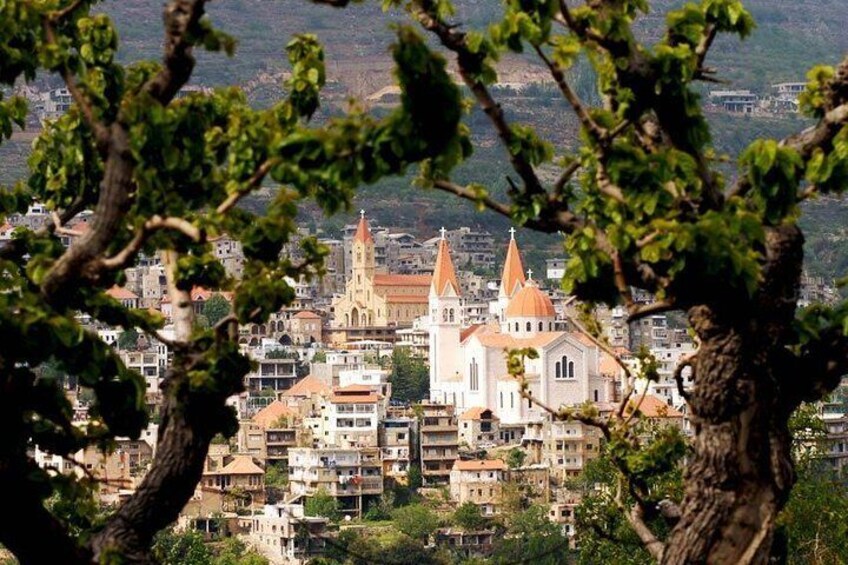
(516, 326)
(529, 327)
(558, 370)
(501, 395)
(596, 395)
(512, 400)
(450, 316)
(541, 326)
(445, 315)
(571, 369)
(474, 375)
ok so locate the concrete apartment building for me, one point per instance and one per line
(479, 427)
(353, 476)
(479, 482)
(439, 442)
(567, 446)
(284, 534)
(352, 416)
(397, 447)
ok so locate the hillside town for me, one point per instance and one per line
(329, 412)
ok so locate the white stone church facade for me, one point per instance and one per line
(468, 364)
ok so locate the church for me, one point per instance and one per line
(468, 364)
(372, 299)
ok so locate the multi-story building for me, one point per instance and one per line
(274, 374)
(479, 427)
(237, 474)
(351, 417)
(735, 101)
(285, 534)
(352, 475)
(472, 250)
(439, 442)
(397, 447)
(567, 446)
(479, 482)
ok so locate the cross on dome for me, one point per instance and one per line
(443, 231)
(511, 233)
(362, 213)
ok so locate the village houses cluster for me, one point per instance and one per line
(318, 409)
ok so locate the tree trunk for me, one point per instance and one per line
(741, 472)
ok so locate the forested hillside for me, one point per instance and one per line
(792, 35)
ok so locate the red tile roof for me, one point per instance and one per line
(653, 407)
(363, 233)
(513, 271)
(476, 413)
(406, 299)
(121, 293)
(444, 276)
(308, 386)
(306, 316)
(480, 465)
(269, 415)
(402, 280)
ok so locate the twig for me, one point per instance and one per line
(455, 41)
(252, 183)
(101, 133)
(128, 253)
(620, 280)
(568, 93)
(702, 49)
(58, 15)
(566, 176)
(637, 312)
(603, 346)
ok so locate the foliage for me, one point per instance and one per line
(410, 377)
(531, 538)
(389, 547)
(234, 552)
(469, 517)
(322, 503)
(276, 476)
(181, 548)
(813, 521)
(382, 508)
(515, 458)
(128, 339)
(216, 308)
(416, 520)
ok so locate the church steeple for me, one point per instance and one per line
(444, 275)
(363, 233)
(512, 279)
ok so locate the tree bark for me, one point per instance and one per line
(741, 472)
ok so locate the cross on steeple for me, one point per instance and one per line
(443, 231)
(511, 233)
(362, 214)
(530, 274)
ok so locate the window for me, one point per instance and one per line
(501, 395)
(474, 375)
(541, 326)
(529, 327)
(558, 370)
(596, 395)
(512, 400)
(571, 369)
(450, 315)
(516, 326)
